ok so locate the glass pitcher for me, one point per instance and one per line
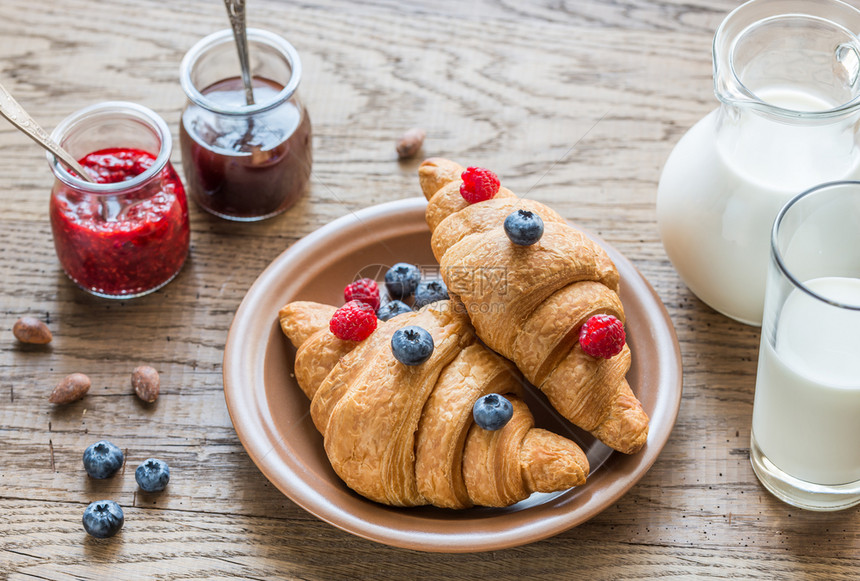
(786, 75)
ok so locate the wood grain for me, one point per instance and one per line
(576, 103)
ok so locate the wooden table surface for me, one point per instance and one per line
(577, 103)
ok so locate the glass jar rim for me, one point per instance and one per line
(777, 254)
(226, 36)
(132, 110)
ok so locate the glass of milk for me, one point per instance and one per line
(805, 445)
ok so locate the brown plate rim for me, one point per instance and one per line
(449, 531)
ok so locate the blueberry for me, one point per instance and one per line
(391, 309)
(102, 459)
(492, 411)
(402, 279)
(152, 475)
(412, 345)
(430, 291)
(103, 518)
(524, 228)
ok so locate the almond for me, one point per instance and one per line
(146, 383)
(32, 330)
(72, 388)
(410, 143)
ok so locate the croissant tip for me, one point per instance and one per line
(436, 172)
(551, 462)
(434, 162)
(301, 319)
(627, 436)
(637, 444)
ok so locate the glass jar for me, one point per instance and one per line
(127, 234)
(787, 76)
(244, 162)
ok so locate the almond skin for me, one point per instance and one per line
(31, 330)
(72, 388)
(410, 143)
(146, 383)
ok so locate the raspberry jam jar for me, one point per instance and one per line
(127, 234)
(244, 162)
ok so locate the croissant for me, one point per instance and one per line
(529, 302)
(404, 435)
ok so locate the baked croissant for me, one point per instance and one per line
(404, 435)
(529, 302)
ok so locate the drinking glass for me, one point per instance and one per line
(805, 440)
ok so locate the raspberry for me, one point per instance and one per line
(364, 290)
(354, 321)
(602, 336)
(479, 184)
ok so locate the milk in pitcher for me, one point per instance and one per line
(718, 196)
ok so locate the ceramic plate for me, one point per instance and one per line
(271, 417)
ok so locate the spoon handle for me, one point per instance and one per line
(11, 110)
(236, 13)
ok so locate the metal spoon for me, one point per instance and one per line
(11, 110)
(236, 12)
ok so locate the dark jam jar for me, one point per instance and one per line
(126, 234)
(244, 162)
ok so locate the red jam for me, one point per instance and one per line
(123, 243)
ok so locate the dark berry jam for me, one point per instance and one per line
(123, 243)
(246, 167)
